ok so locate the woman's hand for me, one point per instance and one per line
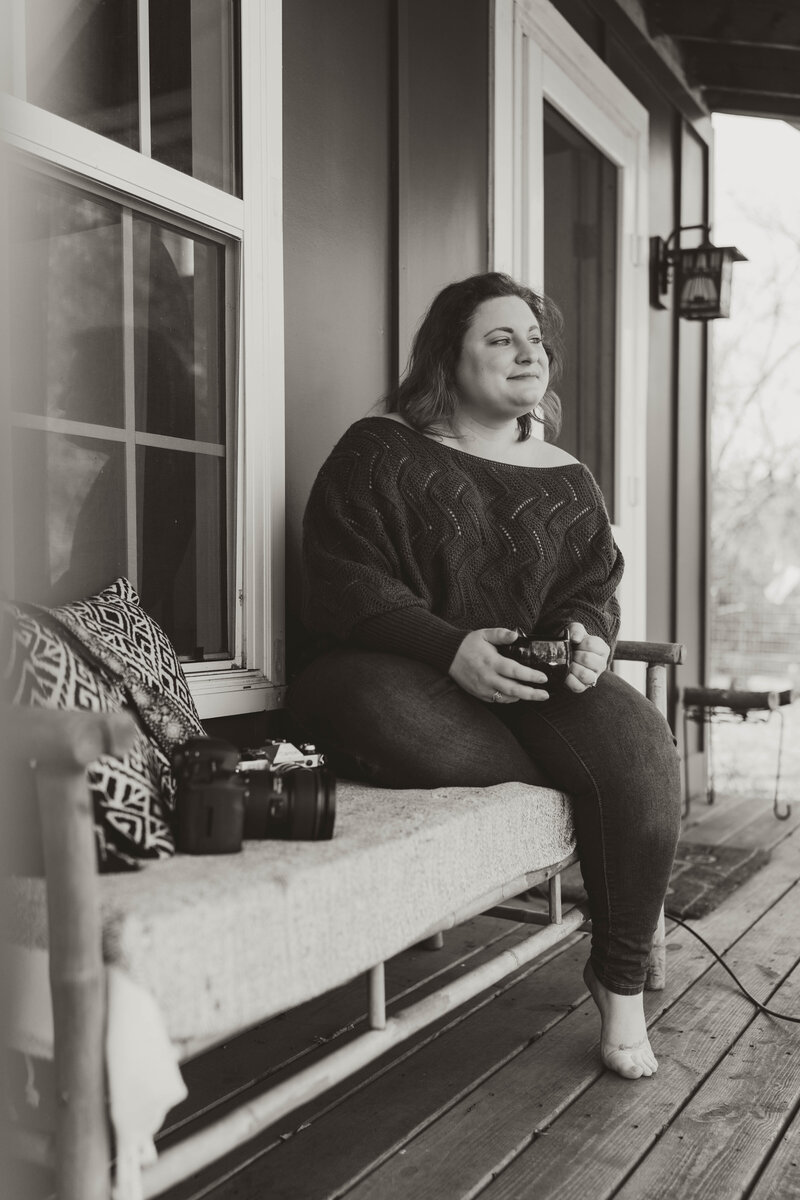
(480, 669)
(589, 658)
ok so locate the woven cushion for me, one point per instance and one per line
(225, 942)
(106, 655)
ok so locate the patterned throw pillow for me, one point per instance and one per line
(107, 655)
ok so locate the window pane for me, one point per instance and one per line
(193, 88)
(183, 548)
(580, 227)
(179, 333)
(82, 64)
(124, 396)
(66, 318)
(69, 515)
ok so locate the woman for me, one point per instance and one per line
(433, 533)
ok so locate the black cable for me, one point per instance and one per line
(761, 1007)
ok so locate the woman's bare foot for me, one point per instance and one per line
(624, 1046)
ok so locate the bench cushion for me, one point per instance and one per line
(228, 941)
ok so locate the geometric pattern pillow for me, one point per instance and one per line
(106, 655)
(115, 630)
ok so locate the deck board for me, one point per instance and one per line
(500, 1027)
(501, 1117)
(719, 1141)
(781, 1175)
(508, 1098)
(592, 1147)
(334, 1154)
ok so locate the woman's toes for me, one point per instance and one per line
(631, 1062)
(623, 1063)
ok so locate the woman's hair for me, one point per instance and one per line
(427, 396)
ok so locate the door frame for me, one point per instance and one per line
(538, 56)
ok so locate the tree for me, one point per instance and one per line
(755, 430)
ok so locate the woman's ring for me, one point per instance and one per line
(495, 696)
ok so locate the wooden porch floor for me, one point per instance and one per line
(506, 1098)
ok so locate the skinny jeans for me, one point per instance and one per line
(398, 723)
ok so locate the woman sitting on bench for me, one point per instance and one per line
(434, 532)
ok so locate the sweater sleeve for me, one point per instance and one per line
(590, 596)
(357, 584)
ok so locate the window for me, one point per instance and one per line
(139, 265)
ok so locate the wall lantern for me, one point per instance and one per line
(702, 275)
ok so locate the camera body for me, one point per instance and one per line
(277, 791)
(550, 655)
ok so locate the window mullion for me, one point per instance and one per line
(129, 366)
(143, 30)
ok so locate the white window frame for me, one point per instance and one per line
(538, 57)
(256, 221)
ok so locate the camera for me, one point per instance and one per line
(550, 655)
(277, 791)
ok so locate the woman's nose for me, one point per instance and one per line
(524, 352)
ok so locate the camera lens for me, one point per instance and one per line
(296, 804)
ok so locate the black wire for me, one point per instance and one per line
(761, 1007)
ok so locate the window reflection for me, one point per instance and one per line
(82, 64)
(182, 548)
(69, 514)
(66, 320)
(179, 333)
(192, 88)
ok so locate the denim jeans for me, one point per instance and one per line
(398, 723)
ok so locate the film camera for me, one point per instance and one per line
(550, 655)
(276, 791)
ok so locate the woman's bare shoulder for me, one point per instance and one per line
(546, 454)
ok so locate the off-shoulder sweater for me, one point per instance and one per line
(408, 544)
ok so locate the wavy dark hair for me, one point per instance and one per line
(427, 396)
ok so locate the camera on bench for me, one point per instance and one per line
(276, 791)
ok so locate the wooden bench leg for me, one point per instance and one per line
(434, 942)
(377, 997)
(554, 899)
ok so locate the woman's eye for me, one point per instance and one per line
(537, 341)
(500, 341)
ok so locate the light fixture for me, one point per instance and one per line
(702, 275)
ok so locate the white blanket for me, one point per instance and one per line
(144, 1080)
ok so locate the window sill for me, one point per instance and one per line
(234, 692)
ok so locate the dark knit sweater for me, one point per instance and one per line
(409, 544)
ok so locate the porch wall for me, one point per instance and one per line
(385, 200)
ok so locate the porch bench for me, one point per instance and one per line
(223, 943)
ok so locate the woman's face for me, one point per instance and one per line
(502, 371)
